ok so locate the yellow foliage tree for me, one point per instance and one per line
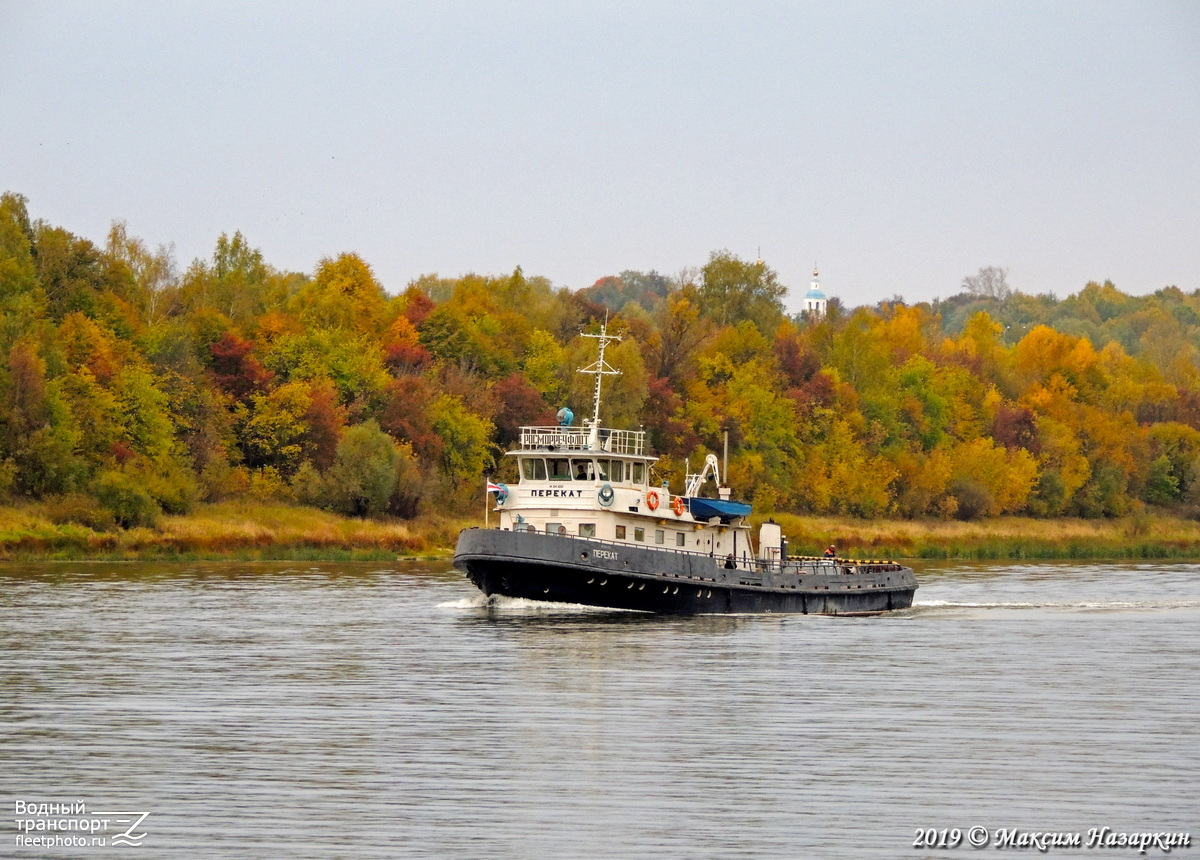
(343, 295)
(997, 480)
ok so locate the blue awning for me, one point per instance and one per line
(705, 509)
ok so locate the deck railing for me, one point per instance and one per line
(804, 564)
(579, 439)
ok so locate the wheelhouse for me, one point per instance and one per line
(609, 470)
(595, 482)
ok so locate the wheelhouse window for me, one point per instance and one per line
(611, 470)
(560, 468)
(533, 469)
(638, 475)
(583, 470)
(620, 532)
(587, 529)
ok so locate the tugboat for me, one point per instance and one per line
(585, 525)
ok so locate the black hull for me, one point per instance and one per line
(619, 576)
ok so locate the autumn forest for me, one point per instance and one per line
(133, 387)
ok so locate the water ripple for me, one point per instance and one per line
(358, 711)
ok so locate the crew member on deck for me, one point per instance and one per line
(831, 552)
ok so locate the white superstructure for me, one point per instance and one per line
(597, 482)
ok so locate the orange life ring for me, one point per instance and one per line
(652, 499)
(677, 506)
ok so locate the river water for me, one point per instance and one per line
(335, 710)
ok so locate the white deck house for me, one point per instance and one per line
(595, 482)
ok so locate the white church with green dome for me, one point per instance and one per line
(815, 300)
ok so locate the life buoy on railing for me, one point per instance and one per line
(652, 499)
(502, 494)
(605, 495)
(677, 506)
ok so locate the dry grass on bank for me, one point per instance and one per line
(228, 529)
(254, 530)
(1141, 536)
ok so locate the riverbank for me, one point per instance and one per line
(247, 531)
(239, 531)
(1141, 536)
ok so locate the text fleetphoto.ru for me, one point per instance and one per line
(41, 825)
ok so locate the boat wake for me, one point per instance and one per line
(525, 606)
(477, 602)
(1063, 605)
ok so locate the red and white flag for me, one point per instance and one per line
(493, 488)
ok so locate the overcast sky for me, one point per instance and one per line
(899, 145)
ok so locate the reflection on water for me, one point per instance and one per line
(268, 710)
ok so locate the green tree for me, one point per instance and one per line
(97, 413)
(147, 428)
(124, 495)
(1162, 488)
(363, 475)
(766, 423)
(475, 342)
(732, 290)
(544, 365)
(466, 438)
(18, 273)
(273, 434)
(354, 364)
(40, 436)
(71, 271)
(922, 406)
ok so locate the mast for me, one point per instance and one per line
(601, 369)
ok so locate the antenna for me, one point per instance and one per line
(601, 369)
